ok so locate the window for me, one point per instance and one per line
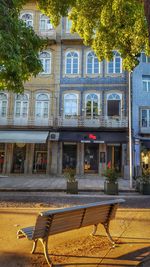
(70, 105)
(144, 58)
(113, 105)
(92, 105)
(68, 25)
(145, 118)
(93, 65)
(3, 105)
(21, 106)
(146, 83)
(45, 58)
(115, 65)
(42, 106)
(28, 19)
(72, 63)
(45, 24)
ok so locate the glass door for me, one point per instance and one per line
(114, 156)
(91, 158)
(19, 158)
(69, 156)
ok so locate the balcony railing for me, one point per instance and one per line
(101, 121)
(67, 121)
(69, 36)
(50, 34)
(145, 130)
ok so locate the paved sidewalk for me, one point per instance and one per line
(86, 183)
(130, 230)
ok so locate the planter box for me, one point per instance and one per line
(72, 187)
(146, 189)
(111, 188)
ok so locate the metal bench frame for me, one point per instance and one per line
(61, 220)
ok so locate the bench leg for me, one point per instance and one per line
(94, 229)
(106, 226)
(34, 246)
(45, 246)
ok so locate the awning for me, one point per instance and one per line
(94, 137)
(23, 137)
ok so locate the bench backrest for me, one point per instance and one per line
(62, 220)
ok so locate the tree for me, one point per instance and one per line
(19, 47)
(106, 25)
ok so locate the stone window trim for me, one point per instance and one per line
(114, 96)
(146, 83)
(72, 53)
(145, 58)
(27, 17)
(46, 58)
(114, 66)
(42, 105)
(3, 104)
(21, 107)
(94, 57)
(92, 94)
(76, 98)
(145, 117)
(48, 25)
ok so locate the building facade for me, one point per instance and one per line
(73, 114)
(141, 114)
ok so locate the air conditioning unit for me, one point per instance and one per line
(54, 136)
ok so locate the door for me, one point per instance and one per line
(69, 156)
(114, 156)
(91, 158)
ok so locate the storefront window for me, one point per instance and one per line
(19, 156)
(40, 158)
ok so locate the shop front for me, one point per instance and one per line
(2, 156)
(145, 155)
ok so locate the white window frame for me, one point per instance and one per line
(70, 52)
(48, 25)
(68, 25)
(2, 105)
(116, 55)
(22, 102)
(27, 13)
(42, 106)
(98, 96)
(147, 117)
(147, 81)
(93, 63)
(43, 61)
(120, 96)
(147, 58)
(77, 102)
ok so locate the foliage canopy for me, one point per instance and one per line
(105, 25)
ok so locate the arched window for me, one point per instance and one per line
(3, 105)
(93, 65)
(92, 105)
(45, 23)
(72, 63)
(113, 105)
(45, 58)
(42, 106)
(21, 106)
(28, 19)
(115, 65)
(70, 105)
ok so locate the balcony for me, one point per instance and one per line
(69, 36)
(145, 130)
(50, 34)
(23, 122)
(101, 121)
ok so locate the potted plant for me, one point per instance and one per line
(143, 183)
(72, 183)
(111, 183)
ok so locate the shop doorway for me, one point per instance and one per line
(2, 155)
(91, 158)
(19, 156)
(145, 159)
(114, 156)
(40, 158)
(69, 156)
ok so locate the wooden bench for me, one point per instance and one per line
(61, 220)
